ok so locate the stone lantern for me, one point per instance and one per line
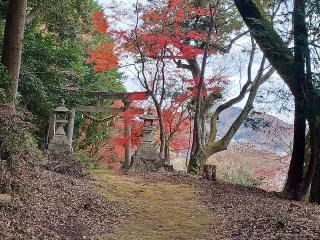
(148, 127)
(59, 141)
(147, 157)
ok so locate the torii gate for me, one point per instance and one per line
(126, 98)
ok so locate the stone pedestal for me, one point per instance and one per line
(60, 142)
(147, 159)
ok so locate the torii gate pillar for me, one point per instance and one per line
(127, 132)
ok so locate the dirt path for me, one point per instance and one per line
(158, 211)
(181, 207)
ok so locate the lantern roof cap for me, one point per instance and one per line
(149, 116)
(61, 108)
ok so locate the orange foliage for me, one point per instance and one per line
(103, 58)
(99, 22)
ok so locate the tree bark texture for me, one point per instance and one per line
(295, 173)
(314, 164)
(12, 44)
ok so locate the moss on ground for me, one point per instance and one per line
(161, 211)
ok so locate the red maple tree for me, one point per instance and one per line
(164, 35)
(103, 57)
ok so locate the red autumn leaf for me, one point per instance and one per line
(118, 150)
(117, 104)
(137, 96)
(215, 89)
(103, 58)
(99, 22)
(120, 140)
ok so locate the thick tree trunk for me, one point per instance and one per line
(315, 155)
(294, 186)
(12, 45)
(167, 151)
(196, 160)
(295, 173)
(196, 153)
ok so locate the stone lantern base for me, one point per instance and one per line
(59, 143)
(147, 159)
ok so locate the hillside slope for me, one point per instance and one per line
(268, 168)
(265, 132)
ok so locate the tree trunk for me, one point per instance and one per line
(197, 151)
(203, 131)
(12, 45)
(309, 166)
(295, 173)
(167, 152)
(290, 68)
(315, 155)
(294, 183)
(161, 128)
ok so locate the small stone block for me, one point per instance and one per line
(5, 199)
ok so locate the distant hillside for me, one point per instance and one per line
(264, 131)
(270, 169)
(261, 147)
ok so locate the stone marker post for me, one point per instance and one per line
(71, 119)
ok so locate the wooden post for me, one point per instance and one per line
(127, 132)
(209, 172)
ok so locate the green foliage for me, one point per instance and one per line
(54, 64)
(241, 177)
(66, 18)
(5, 79)
(84, 159)
(94, 134)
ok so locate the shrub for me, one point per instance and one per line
(87, 161)
(241, 177)
(17, 148)
(5, 79)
